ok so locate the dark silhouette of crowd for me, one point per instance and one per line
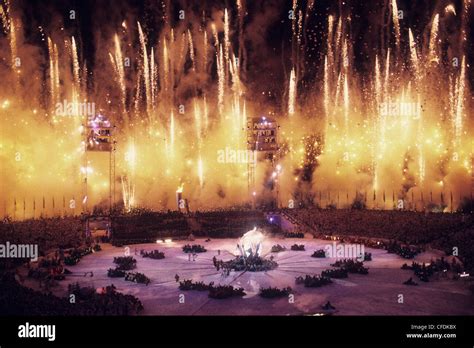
(48, 234)
(16, 299)
(146, 227)
(230, 223)
(452, 233)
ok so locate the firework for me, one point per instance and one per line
(180, 93)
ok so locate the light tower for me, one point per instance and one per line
(262, 142)
(98, 137)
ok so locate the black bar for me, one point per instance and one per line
(219, 330)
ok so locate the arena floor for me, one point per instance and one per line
(374, 294)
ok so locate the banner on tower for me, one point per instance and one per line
(262, 134)
(98, 134)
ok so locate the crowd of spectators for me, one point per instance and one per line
(231, 223)
(16, 299)
(47, 233)
(452, 233)
(147, 227)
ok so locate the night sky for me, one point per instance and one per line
(267, 31)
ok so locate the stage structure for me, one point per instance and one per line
(98, 137)
(262, 141)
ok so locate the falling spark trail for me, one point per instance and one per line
(75, 61)
(421, 155)
(326, 93)
(154, 79)
(413, 54)
(396, 23)
(206, 114)
(200, 172)
(191, 49)
(345, 56)
(387, 76)
(205, 50)
(198, 121)
(464, 20)
(330, 40)
(338, 34)
(300, 29)
(4, 19)
(226, 38)
(378, 83)
(146, 70)
(53, 87)
(242, 55)
(338, 89)
(460, 92)
(346, 105)
(216, 37)
(220, 80)
(120, 70)
(13, 46)
(76, 88)
(172, 133)
(433, 56)
(292, 93)
(293, 21)
(166, 66)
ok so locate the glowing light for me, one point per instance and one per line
(450, 9)
(88, 170)
(251, 243)
(5, 104)
(200, 172)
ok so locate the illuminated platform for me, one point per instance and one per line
(374, 294)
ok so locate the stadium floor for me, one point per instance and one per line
(377, 293)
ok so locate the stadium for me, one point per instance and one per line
(237, 158)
